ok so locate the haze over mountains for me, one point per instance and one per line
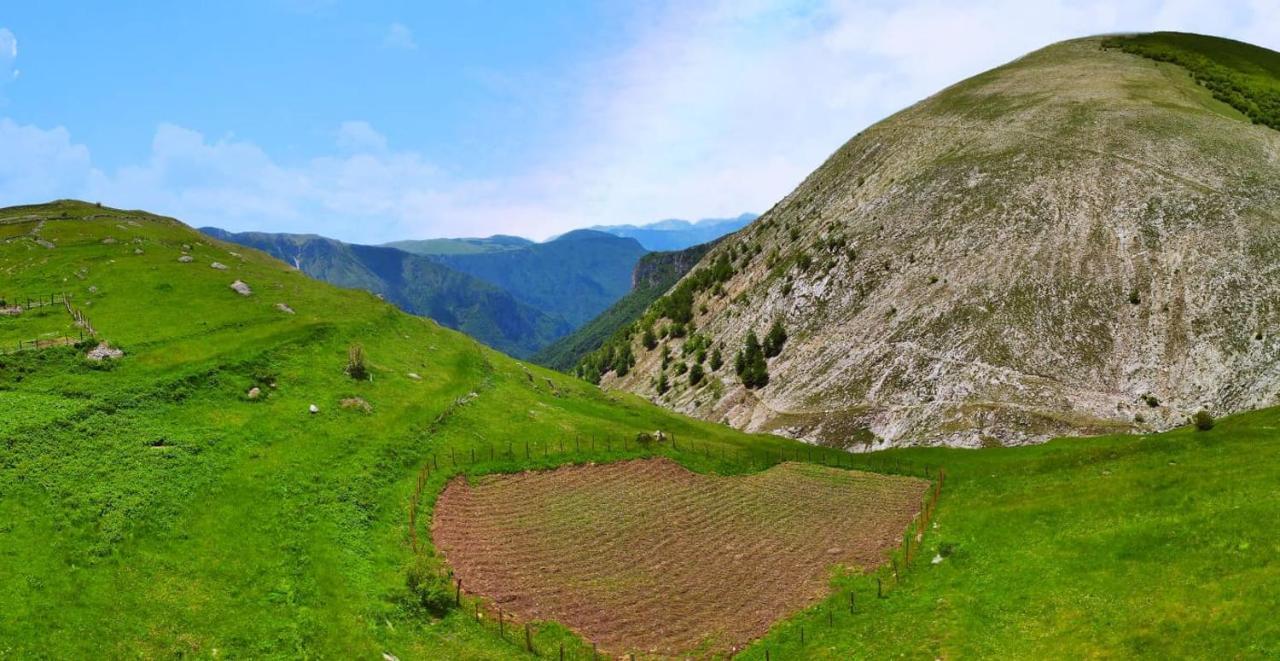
(678, 234)
(509, 292)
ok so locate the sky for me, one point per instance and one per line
(371, 121)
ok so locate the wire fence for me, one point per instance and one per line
(442, 466)
(16, 306)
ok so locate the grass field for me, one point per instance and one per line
(149, 508)
(616, 551)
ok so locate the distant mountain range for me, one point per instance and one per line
(416, 284)
(514, 294)
(677, 234)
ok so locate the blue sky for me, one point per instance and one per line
(375, 121)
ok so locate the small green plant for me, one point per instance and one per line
(356, 367)
(1202, 420)
(775, 339)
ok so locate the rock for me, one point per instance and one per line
(104, 351)
(241, 288)
(233, 253)
(313, 409)
(45, 244)
(356, 403)
(254, 393)
(219, 265)
(186, 259)
(137, 251)
(108, 241)
(284, 308)
(93, 289)
(414, 376)
(186, 247)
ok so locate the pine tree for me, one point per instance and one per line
(662, 385)
(648, 339)
(717, 360)
(751, 365)
(695, 374)
(775, 339)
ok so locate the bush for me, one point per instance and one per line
(662, 385)
(695, 374)
(428, 590)
(717, 360)
(356, 368)
(1203, 421)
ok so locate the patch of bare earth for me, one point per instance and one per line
(644, 556)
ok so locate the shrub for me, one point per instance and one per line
(1203, 421)
(648, 339)
(775, 339)
(1151, 400)
(356, 368)
(717, 360)
(661, 385)
(695, 374)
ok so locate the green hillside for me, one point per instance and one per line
(655, 273)
(150, 508)
(416, 284)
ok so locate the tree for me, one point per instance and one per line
(648, 339)
(666, 356)
(695, 374)
(717, 360)
(775, 339)
(662, 386)
(751, 365)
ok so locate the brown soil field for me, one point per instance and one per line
(647, 557)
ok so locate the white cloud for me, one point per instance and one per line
(399, 37)
(8, 56)
(359, 136)
(39, 165)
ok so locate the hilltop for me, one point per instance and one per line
(1080, 241)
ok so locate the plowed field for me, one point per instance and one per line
(645, 556)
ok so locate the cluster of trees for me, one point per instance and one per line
(1229, 70)
(751, 363)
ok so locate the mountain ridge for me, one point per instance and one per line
(1078, 241)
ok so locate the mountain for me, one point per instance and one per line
(1083, 240)
(654, 274)
(677, 234)
(495, 243)
(575, 276)
(415, 284)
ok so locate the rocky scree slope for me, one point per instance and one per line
(1082, 240)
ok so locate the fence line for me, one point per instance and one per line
(604, 448)
(78, 318)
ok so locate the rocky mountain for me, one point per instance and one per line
(416, 284)
(1085, 239)
(675, 234)
(654, 274)
(575, 276)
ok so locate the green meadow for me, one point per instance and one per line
(150, 507)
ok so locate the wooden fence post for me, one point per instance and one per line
(528, 638)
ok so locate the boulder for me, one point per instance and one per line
(241, 288)
(186, 259)
(219, 265)
(254, 393)
(284, 308)
(313, 409)
(104, 351)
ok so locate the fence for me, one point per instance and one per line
(78, 318)
(496, 458)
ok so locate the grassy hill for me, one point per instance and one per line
(416, 284)
(149, 507)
